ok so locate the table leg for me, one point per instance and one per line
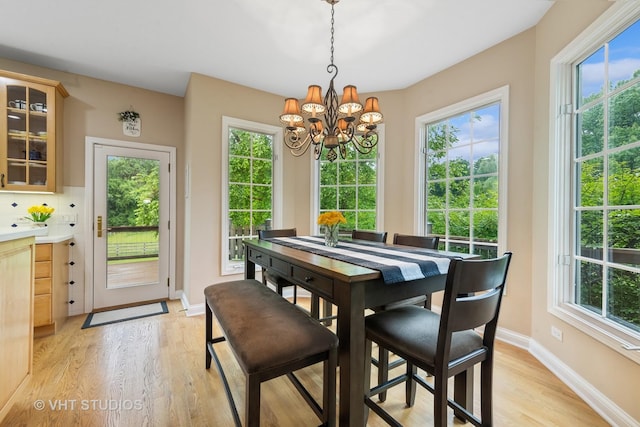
(249, 266)
(351, 357)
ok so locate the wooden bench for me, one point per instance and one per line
(269, 337)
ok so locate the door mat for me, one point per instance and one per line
(122, 314)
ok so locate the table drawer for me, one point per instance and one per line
(318, 283)
(43, 286)
(279, 266)
(258, 258)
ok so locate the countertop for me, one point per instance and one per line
(10, 233)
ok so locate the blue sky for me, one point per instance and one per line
(624, 60)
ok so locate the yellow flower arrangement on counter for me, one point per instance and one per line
(39, 213)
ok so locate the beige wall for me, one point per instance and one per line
(611, 373)
(207, 100)
(92, 110)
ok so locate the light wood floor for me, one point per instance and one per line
(150, 372)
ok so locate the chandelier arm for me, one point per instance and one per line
(343, 150)
(296, 145)
(366, 143)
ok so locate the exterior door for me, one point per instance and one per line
(131, 225)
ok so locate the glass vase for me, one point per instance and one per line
(331, 235)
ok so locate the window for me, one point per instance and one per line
(596, 275)
(463, 162)
(252, 179)
(353, 187)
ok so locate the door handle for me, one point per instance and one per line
(99, 225)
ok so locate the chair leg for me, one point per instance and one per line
(486, 391)
(328, 308)
(208, 334)
(329, 389)
(463, 392)
(252, 404)
(367, 375)
(410, 385)
(315, 306)
(440, 401)
(383, 370)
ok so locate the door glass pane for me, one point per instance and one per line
(133, 213)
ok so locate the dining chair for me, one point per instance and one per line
(382, 362)
(373, 236)
(444, 345)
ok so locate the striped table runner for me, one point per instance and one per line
(396, 264)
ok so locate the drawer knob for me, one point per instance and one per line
(308, 279)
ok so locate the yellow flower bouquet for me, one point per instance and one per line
(331, 220)
(39, 213)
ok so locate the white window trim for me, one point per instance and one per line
(618, 16)
(315, 186)
(500, 95)
(229, 267)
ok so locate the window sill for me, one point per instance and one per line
(605, 332)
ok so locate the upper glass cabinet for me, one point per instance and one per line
(30, 133)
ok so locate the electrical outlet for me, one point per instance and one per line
(556, 333)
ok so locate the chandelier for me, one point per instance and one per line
(345, 122)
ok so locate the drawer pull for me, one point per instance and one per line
(308, 279)
(258, 256)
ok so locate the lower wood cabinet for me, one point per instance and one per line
(16, 324)
(51, 287)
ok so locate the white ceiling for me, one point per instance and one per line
(280, 46)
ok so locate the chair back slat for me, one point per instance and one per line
(473, 276)
(428, 242)
(282, 232)
(474, 311)
(373, 236)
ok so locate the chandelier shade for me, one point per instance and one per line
(331, 124)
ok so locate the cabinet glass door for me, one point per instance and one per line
(26, 136)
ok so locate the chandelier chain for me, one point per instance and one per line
(332, 21)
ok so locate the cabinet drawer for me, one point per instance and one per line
(43, 252)
(43, 286)
(42, 310)
(42, 269)
(319, 284)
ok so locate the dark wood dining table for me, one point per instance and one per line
(352, 289)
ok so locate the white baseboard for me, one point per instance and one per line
(514, 338)
(191, 310)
